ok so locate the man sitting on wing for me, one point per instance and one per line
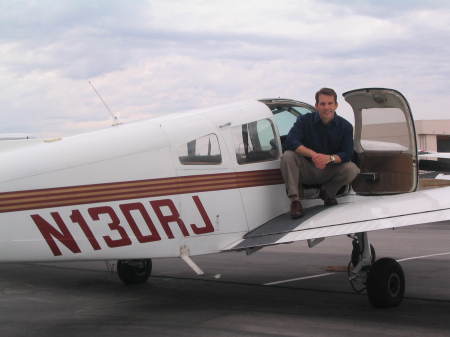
(320, 147)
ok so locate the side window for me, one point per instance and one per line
(201, 151)
(255, 141)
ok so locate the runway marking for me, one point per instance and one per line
(328, 274)
(298, 279)
(422, 257)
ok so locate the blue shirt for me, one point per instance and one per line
(336, 137)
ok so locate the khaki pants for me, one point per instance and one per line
(297, 170)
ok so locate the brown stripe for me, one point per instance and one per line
(176, 190)
(132, 196)
(149, 191)
(135, 184)
(65, 196)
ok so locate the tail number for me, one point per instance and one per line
(58, 231)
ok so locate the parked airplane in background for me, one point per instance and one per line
(208, 181)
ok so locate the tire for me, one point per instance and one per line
(385, 283)
(134, 271)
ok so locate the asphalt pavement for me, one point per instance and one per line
(287, 290)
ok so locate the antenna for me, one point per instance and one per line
(114, 117)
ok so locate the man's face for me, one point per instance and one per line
(326, 107)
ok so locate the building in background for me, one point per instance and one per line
(433, 135)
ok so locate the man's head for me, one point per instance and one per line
(326, 104)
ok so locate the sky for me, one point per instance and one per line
(152, 57)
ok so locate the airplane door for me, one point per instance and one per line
(384, 142)
(209, 201)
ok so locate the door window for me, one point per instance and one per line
(384, 129)
(255, 142)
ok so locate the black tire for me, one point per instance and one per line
(385, 283)
(134, 271)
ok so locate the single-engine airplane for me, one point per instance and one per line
(208, 181)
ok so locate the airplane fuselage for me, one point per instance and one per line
(123, 192)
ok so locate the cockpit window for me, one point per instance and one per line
(201, 151)
(286, 116)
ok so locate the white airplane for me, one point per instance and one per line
(208, 181)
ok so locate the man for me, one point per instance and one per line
(319, 150)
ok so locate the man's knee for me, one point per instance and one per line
(350, 171)
(289, 155)
(288, 158)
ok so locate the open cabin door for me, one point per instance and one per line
(384, 142)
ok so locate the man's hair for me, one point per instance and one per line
(326, 91)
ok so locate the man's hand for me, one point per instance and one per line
(320, 160)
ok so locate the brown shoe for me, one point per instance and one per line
(327, 200)
(296, 209)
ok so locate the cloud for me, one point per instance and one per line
(152, 57)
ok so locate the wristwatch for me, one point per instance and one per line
(332, 159)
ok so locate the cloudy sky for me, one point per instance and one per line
(148, 57)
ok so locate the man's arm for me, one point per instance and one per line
(305, 151)
(294, 139)
(320, 160)
(346, 149)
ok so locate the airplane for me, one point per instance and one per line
(208, 181)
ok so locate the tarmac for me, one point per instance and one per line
(286, 290)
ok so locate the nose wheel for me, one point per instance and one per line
(134, 271)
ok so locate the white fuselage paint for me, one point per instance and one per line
(198, 218)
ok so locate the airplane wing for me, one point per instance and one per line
(429, 161)
(353, 214)
(432, 154)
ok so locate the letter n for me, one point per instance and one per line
(51, 233)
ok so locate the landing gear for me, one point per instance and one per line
(384, 279)
(360, 262)
(134, 271)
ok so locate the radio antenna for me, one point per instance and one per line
(114, 117)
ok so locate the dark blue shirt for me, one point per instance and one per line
(336, 137)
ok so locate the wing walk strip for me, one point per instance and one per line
(76, 195)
